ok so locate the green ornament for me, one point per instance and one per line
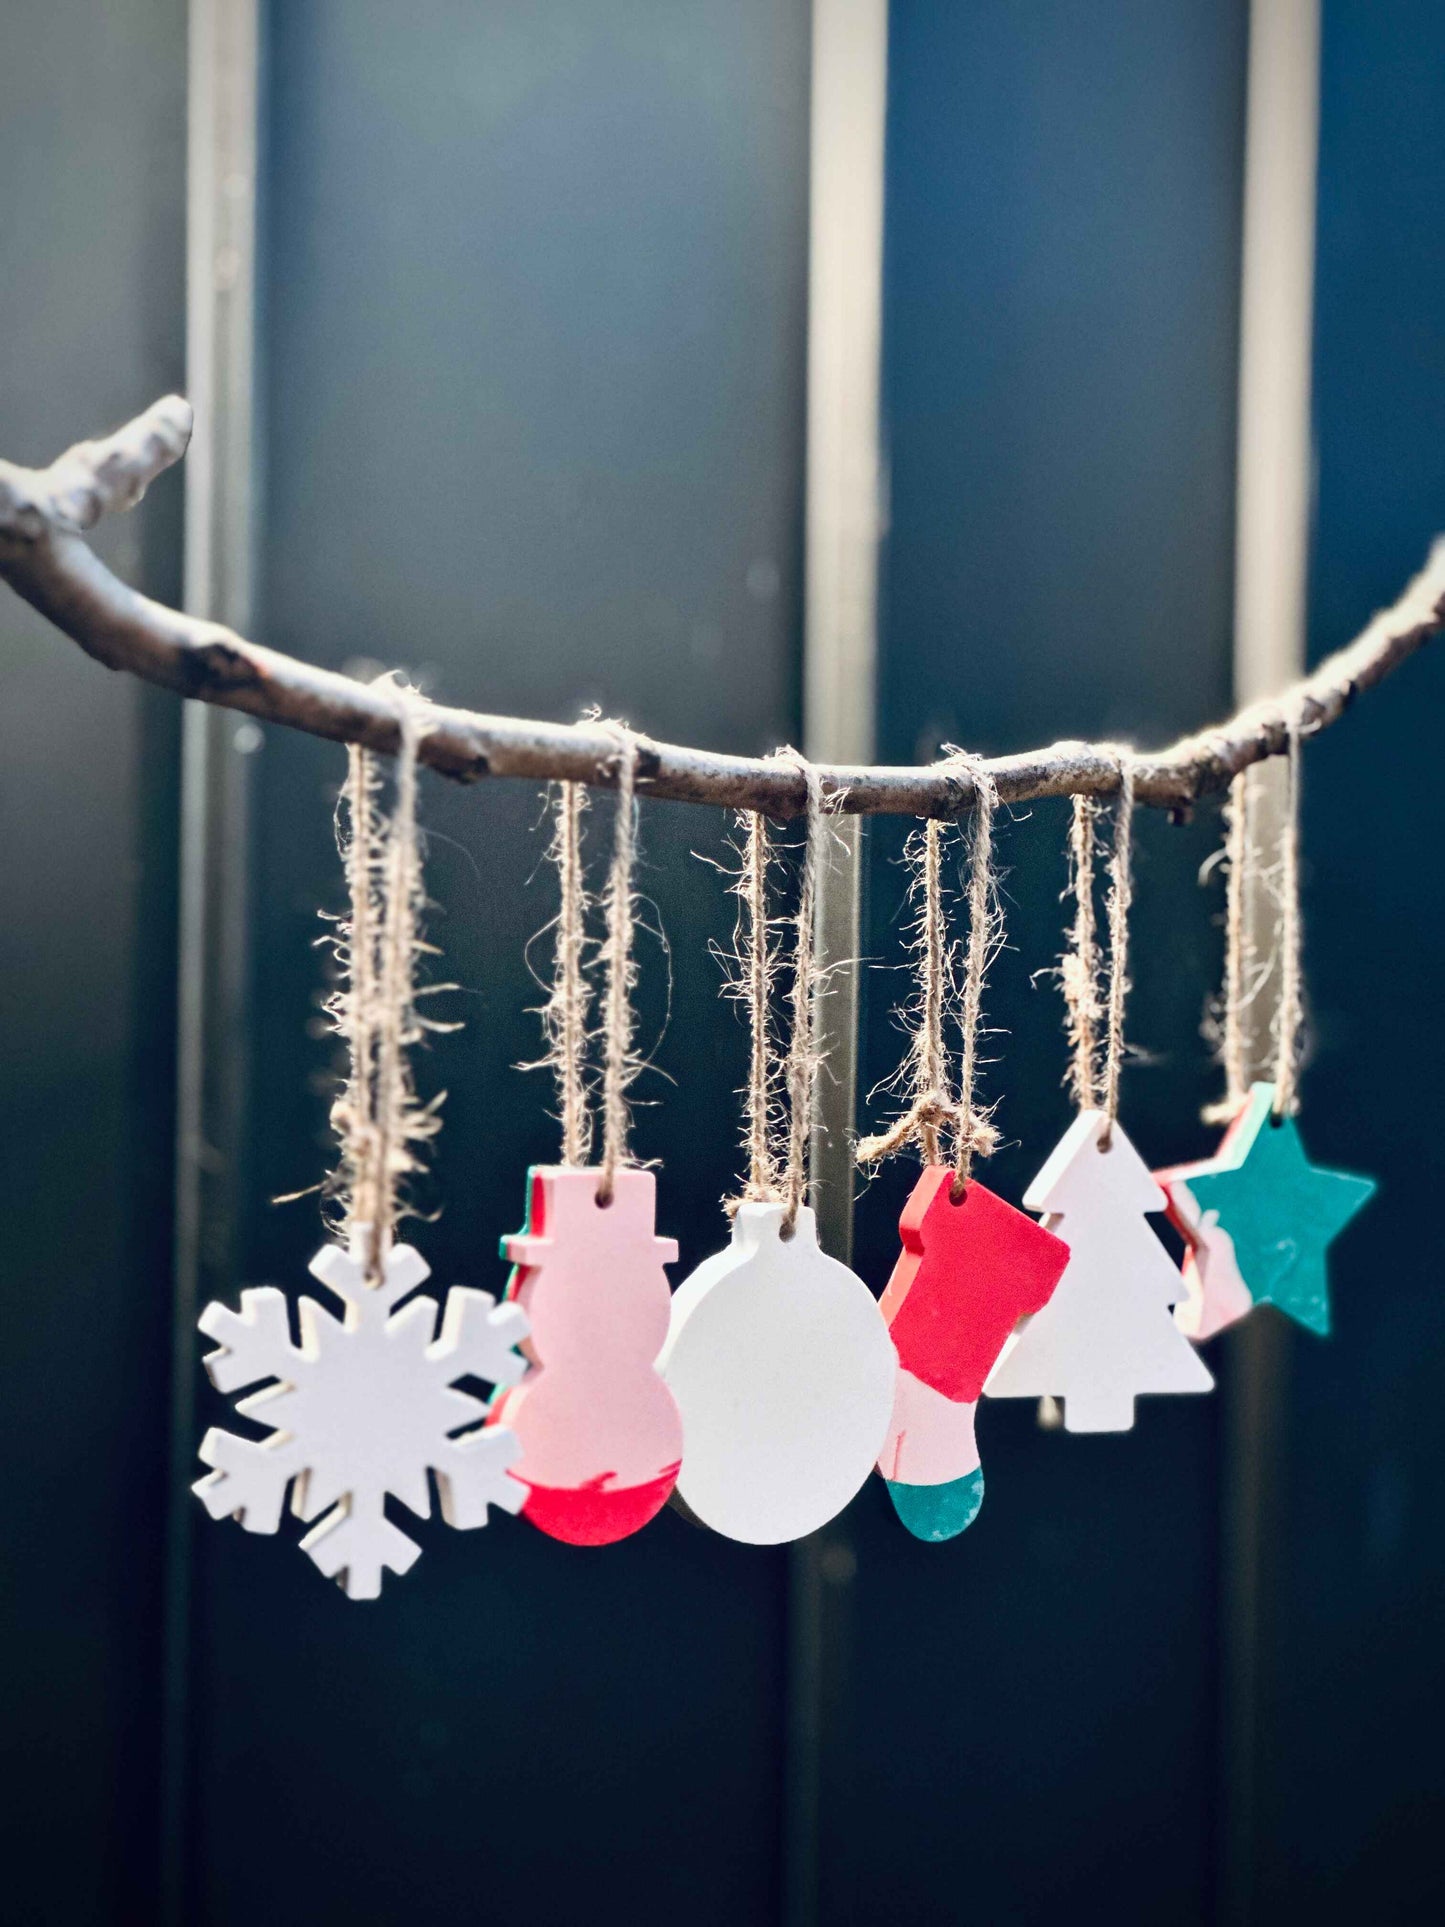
(938, 1512)
(1282, 1212)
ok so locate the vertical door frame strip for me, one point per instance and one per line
(1272, 513)
(222, 148)
(844, 521)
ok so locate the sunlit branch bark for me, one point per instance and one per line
(42, 556)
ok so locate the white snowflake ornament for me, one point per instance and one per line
(365, 1405)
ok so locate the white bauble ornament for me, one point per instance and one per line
(783, 1370)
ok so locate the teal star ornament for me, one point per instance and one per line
(1281, 1211)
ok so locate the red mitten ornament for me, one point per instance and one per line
(600, 1433)
(967, 1274)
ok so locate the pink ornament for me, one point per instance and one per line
(600, 1433)
(1217, 1294)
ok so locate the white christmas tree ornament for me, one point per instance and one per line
(367, 1404)
(1108, 1332)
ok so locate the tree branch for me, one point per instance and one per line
(42, 556)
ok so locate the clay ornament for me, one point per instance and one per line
(365, 1406)
(1107, 1333)
(600, 1433)
(1280, 1212)
(967, 1273)
(784, 1372)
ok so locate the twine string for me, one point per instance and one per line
(1289, 1014)
(619, 1058)
(564, 1017)
(1238, 945)
(1243, 978)
(1079, 966)
(928, 1053)
(1121, 895)
(377, 1115)
(755, 951)
(353, 1006)
(934, 1108)
(801, 1068)
(397, 1118)
(974, 1133)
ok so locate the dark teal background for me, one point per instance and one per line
(533, 330)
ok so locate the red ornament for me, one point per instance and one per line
(967, 1274)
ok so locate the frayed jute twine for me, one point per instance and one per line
(377, 1115)
(778, 1172)
(1121, 896)
(564, 1015)
(1095, 1063)
(619, 1059)
(1239, 858)
(1079, 966)
(1289, 1015)
(974, 1133)
(932, 1103)
(353, 1005)
(803, 1060)
(753, 949)
(934, 1108)
(1243, 976)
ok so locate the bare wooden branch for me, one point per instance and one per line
(44, 559)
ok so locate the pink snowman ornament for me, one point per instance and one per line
(600, 1433)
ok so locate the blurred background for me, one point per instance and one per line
(536, 349)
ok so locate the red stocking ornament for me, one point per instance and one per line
(967, 1274)
(600, 1433)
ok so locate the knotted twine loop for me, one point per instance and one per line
(801, 1068)
(1289, 1016)
(934, 1108)
(754, 951)
(564, 1016)
(1121, 895)
(619, 1065)
(377, 1114)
